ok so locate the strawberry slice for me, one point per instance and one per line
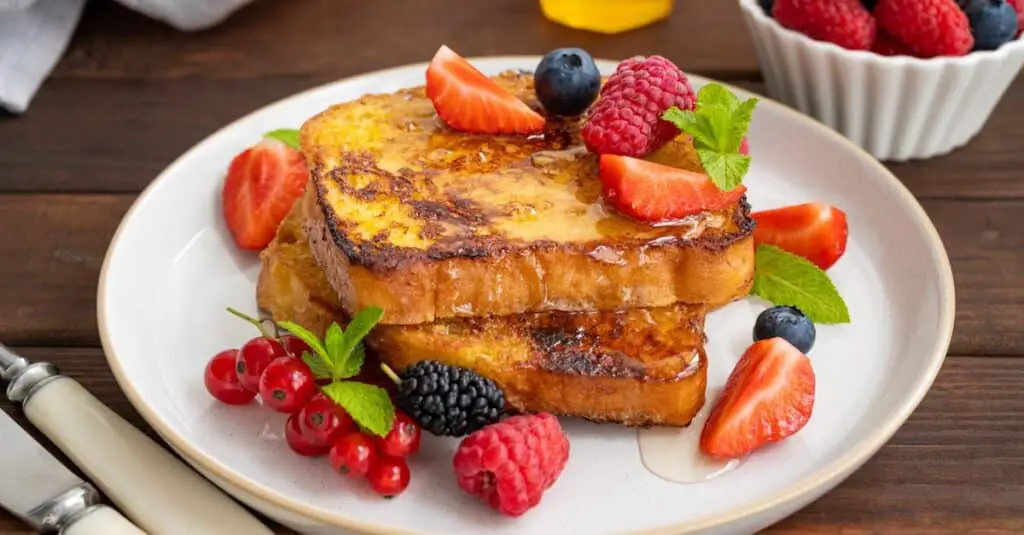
(653, 193)
(467, 100)
(263, 183)
(769, 396)
(815, 231)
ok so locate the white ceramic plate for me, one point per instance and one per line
(172, 268)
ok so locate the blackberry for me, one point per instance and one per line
(448, 400)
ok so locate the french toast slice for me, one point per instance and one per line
(429, 224)
(635, 367)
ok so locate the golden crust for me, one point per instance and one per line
(430, 224)
(636, 367)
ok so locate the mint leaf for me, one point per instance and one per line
(717, 125)
(716, 95)
(288, 136)
(784, 278)
(352, 365)
(726, 170)
(311, 339)
(357, 329)
(320, 369)
(739, 124)
(334, 342)
(691, 123)
(369, 405)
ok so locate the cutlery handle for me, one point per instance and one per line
(152, 487)
(101, 520)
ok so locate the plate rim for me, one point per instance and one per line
(840, 468)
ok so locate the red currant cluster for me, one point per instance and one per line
(272, 367)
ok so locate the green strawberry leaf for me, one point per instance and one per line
(288, 136)
(370, 406)
(783, 278)
(320, 369)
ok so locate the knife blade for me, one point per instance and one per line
(44, 494)
(154, 488)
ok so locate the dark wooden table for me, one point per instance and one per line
(131, 95)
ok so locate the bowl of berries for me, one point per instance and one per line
(903, 79)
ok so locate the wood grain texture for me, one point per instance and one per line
(48, 296)
(326, 39)
(130, 131)
(957, 465)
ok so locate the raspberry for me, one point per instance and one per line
(928, 28)
(887, 45)
(510, 464)
(846, 23)
(626, 119)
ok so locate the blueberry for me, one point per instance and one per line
(993, 22)
(567, 81)
(767, 6)
(788, 323)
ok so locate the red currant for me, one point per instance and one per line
(299, 442)
(353, 455)
(323, 421)
(404, 438)
(222, 381)
(295, 346)
(287, 385)
(254, 357)
(389, 476)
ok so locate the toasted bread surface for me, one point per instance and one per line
(635, 367)
(428, 223)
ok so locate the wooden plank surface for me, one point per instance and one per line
(133, 131)
(973, 480)
(326, 39)
(48, 298)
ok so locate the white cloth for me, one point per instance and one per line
(35, 33)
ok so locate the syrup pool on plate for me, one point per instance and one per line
(673, 453)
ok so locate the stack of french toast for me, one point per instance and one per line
(496, 253)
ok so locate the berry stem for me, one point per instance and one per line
(255, 322)
(390, 373)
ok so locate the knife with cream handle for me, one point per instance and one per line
(150, 485)
(43, 493)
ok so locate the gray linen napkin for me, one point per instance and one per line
(35, 33)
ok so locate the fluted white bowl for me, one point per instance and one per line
(897, 108)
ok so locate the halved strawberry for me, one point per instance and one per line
(467, 100)
(263, 183)
(652, 192)
(815, 231)
(769, 396)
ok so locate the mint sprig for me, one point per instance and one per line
(717, 125)
(340, 356)
(288, 136)
(784, 278)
